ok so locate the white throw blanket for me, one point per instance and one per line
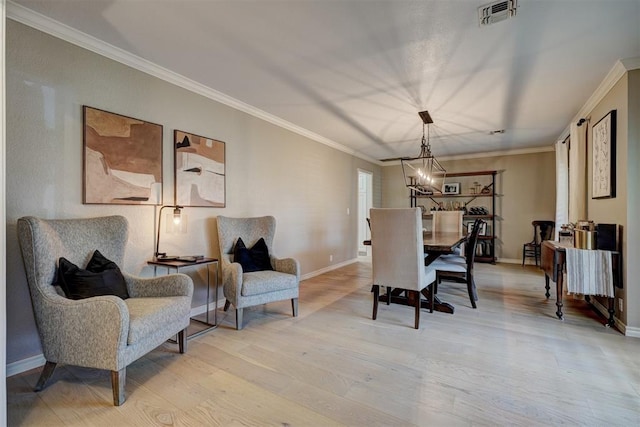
(589, 272)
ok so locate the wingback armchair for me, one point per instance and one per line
(244, 289)
(103, 332)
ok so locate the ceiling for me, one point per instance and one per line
(357, 72)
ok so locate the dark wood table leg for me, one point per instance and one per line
(438, 305)
(559, 304)
(401, 296)
(611, 311)
(546, 286)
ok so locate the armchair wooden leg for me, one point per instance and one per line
(227, 303)
(294, 306)
(118, 378)
(417, 297)
(47, 371)
(182, 341)
(376, 293)
(238, 318)
(471, 291)
(388, 295)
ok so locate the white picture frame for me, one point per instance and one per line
(451, 188)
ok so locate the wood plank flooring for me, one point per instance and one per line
(510, 362)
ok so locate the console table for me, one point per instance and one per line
(177, 265)
(553, 263)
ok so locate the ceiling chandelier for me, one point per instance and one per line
(424, 174)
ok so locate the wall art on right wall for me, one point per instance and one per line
(603, 181)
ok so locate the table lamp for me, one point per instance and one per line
(177, 220)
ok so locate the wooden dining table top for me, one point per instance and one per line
(438, 241)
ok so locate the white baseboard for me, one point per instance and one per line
(631, 332)
(626, 331)
(25, 365)
(516, 261)
(329, 268)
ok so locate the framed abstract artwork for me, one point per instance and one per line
(199, 170)
(122, 159)
(603, 181)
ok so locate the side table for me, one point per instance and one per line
(553, 260)
(177, 265)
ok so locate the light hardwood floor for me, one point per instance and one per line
(510, 362)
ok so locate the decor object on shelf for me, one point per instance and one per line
(603, 183)
(258, 287)
(101, 332)
(451, 188)
(424, 174)
(122, 159)
(199, 170)
(178, 221)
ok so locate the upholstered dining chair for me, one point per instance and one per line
(398, 255)
(460, 268)
(102, 332)
(448, 221)
(278, 281)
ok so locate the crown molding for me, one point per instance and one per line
(619, 69)
(64, 32)
(499, 153)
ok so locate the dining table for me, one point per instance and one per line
(435, 243)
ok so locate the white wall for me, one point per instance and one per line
(307, 186)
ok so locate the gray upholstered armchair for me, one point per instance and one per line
(103, 332)
(244, 289)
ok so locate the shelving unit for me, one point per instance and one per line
(466, 198)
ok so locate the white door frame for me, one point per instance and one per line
(365, 202)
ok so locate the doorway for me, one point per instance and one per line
(365, 197)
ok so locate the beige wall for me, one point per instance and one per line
(307, 186)
(525, 192)
(632, 237)
(624, 208)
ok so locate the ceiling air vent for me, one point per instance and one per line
(497, 11)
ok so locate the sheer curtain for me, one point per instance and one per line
(578, 172)
(562, 185)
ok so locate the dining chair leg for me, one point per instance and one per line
(388, 295)
(471, 290)
(376, 293)
(432, 296)
(417, 297)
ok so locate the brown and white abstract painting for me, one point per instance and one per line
(122, 159)
(200, 170)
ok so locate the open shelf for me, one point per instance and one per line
(487, 181)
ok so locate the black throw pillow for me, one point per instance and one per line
(102, 277)
(254, 259)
